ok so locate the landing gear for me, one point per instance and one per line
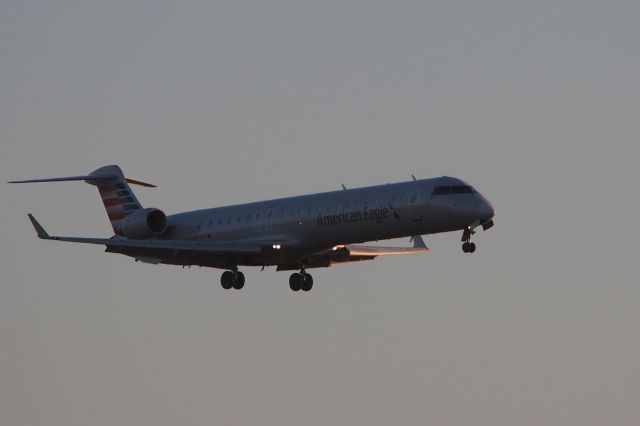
(468, 246)
(307, 285)
(233, 279)
(301, 281)
(239, 282)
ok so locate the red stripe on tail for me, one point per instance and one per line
(117, 215)
(111, 202)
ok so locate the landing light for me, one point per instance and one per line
(277, 246)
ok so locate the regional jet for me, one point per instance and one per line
(293, 234)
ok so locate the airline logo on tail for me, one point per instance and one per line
(118, 201)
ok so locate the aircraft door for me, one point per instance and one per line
(413, 200)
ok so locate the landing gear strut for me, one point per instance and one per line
(233, 279)
(301, 281)
(468, 246)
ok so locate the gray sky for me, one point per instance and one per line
(535, 103)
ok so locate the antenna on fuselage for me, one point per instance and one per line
(414, 178)
(343, 187)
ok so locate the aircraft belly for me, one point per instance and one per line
(223, 261)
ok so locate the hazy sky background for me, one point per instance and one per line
(537, 104)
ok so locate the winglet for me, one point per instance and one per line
(39, 229)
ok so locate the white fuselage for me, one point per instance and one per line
(314, 222)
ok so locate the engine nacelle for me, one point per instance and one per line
(142, 224)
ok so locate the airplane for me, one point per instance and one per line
(293, 234)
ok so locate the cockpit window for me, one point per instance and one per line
(441, 190)
(462, 189)
(456, 189)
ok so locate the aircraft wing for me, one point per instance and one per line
(339, 254)
(418, 247)
(202, 246)
(355, 253)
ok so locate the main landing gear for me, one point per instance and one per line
(468, 246)
(233, 279)
(297, 281)
(301, 281)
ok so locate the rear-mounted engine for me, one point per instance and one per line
(144, 224)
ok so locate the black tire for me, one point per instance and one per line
(307, 284)
(295, 281)
(466, 247)
(472, 247)
(239, 281)
(226, 280)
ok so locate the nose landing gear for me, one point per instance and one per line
(467, 245)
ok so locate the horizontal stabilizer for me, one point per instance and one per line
(95, 178)
(65, 179)
(140, 182)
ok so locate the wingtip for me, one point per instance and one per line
(39, 229)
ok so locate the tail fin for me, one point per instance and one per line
(117, 197)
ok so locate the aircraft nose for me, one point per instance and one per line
(486, 211)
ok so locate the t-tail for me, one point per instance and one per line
(118, 198)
